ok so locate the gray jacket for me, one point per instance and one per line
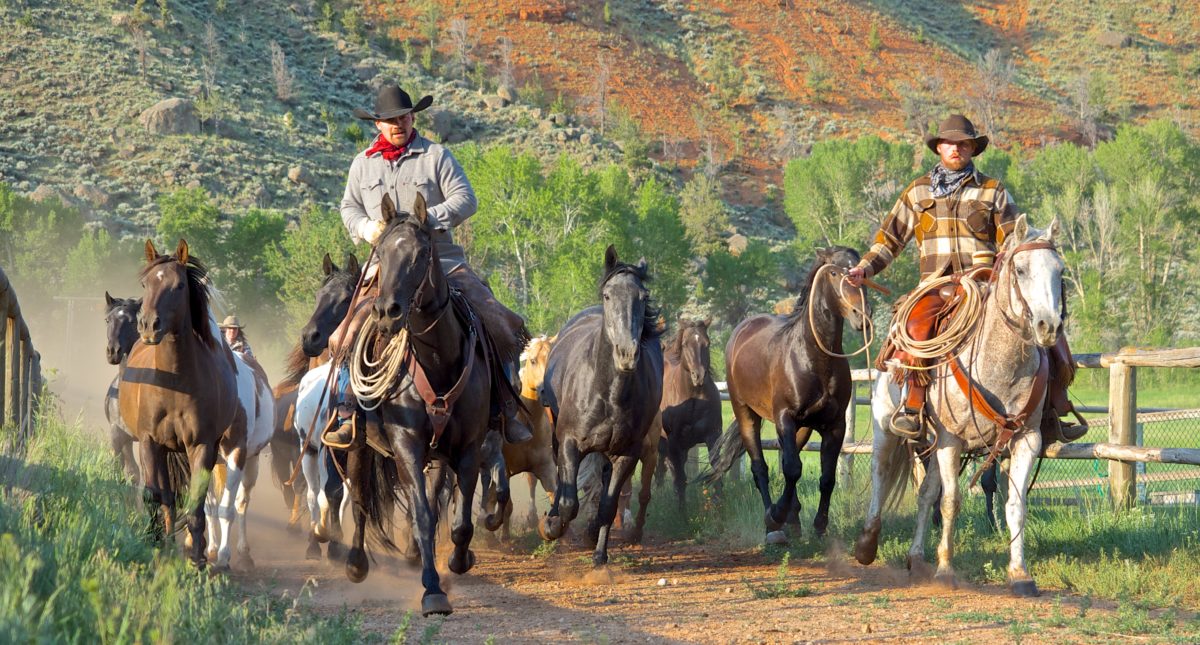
(425, 167)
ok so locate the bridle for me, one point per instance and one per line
(832, 272)
(1004, 262)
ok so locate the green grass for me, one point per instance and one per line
(76, 564)
(781, 586)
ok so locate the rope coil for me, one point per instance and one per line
(373, 377)
(958, 329)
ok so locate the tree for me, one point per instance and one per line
(188, 214)
(295, 263)
(703, 214)
(990, 93)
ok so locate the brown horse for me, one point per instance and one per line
(691, 404)
(179, 392)
(778, 370)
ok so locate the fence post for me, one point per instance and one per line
(12, 372)
(3, 362)
(1122, 408)
(26, 423)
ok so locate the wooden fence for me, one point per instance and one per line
(20, 365)
(1121, 449)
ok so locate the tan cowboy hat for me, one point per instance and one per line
(956, 128)
(231, 322)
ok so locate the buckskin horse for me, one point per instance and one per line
(179, 392)
(986, 397)
(789, 369)
(603, 386)
(435, 409)
(691, 404)
(120, 321)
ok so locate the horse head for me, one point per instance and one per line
(175, 296)
(333, 303)
(120, 319)
(833, 264)
(407, 263)
(694, 351)
(1033, 270)
(628, 312)
(533, 362)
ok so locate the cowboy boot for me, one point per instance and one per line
(342, 432)
(515, 430)
(906, 422)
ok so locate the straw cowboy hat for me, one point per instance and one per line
(231, 322)
(391, 103)
(956, 128)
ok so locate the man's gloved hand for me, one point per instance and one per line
(370, 231)
(856, 276)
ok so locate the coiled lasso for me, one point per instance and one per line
(372, 378)
(958, 329)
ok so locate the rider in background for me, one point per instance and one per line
(235, 335)
(959, 217)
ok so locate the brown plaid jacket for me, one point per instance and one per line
(949, 229)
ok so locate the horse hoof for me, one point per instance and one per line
(551, 527)
(770, 521)
(493, 522)
(635, 536)
(946, 580)
(920, 571)
(245, 561)
(335, 552)
(866, 548)
(458, 565)
(321, 533)
(357, 565)
(313, 552)
(1025, 589)
(220, 568)
(776, 537)
(436, 604)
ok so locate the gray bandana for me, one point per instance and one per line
(943, 182)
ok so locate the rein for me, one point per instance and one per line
(868, 325)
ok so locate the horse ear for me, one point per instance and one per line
(1020, 230)
(419, 209)
(708, 322)
(108, 300)
(352, 264)
(151, 252)
(610, 259)
(641, 265)
(388, 208)
(553, 339)
(823, 254)
(181, 251)
(1052, 231)
(327, 265)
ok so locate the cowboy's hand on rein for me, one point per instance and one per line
(856, 276)
(370, 231)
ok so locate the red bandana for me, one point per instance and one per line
(390, 152)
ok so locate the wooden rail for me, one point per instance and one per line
(20, 365)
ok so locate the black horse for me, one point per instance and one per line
(603, 386)
(783, 368)
(691, 403)
(446, 344)
(120, 321)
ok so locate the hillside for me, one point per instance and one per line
(737, 87)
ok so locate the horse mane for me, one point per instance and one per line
(295, 365)
(117, 303)
(799, 314)
(650, 326)
(198, 294)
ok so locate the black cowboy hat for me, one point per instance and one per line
(956, 128)
(391, 103)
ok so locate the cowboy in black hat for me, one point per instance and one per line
(959, 217)
(401, 163)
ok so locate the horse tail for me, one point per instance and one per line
(897, 472)
(179, 473)
(377, 486)
(728, 450)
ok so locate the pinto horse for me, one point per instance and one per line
(437, 411)
(985, 398)
(787, 369)
(179, 392)
(120, 321)
(691, 403)
(603, 386)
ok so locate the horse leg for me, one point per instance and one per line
(1025, 450)
(649, 461)
(461, 528)
(831, 449)
(410, 455)
(358, 467)
(202, 459)
(154, 476)
(711, 443)
(664, 447)
(122, 446)
(337, 501)
(621, 470)
(789, 463)
(888, 459)
(948, 456)
(676, 459)
(249, 479)
(235, 462)
(750, 427)
(566, 495)
(312, 479)
(988, 482)
(927, 496)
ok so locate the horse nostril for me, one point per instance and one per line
(393, 310)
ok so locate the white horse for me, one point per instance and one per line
(1021, 316)
(312, 407)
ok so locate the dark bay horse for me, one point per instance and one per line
(120, 321)
(438, 410)
(179, 393)
(691, 403)
(603, 386)
(777, 370)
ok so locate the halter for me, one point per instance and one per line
(1005, 262)
(831, 271)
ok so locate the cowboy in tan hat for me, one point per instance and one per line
(401, 163)
(235, 335)
(959, 217)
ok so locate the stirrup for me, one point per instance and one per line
(913, 435)
(331, 435)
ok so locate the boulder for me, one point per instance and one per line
(448, 125)
(301, 175)
(91, 195)
(495, 102)
(507, 92)
(45, 192)
(737, 244)
(171, 116)
(1114, 39)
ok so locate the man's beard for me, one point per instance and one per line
(956, 165)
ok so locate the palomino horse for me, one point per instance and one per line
(179, 392)
(691, 404)
(603, 386)
(120, 320)
(787, 369)
(285, 452)
(1003, 367)
(436, 407)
